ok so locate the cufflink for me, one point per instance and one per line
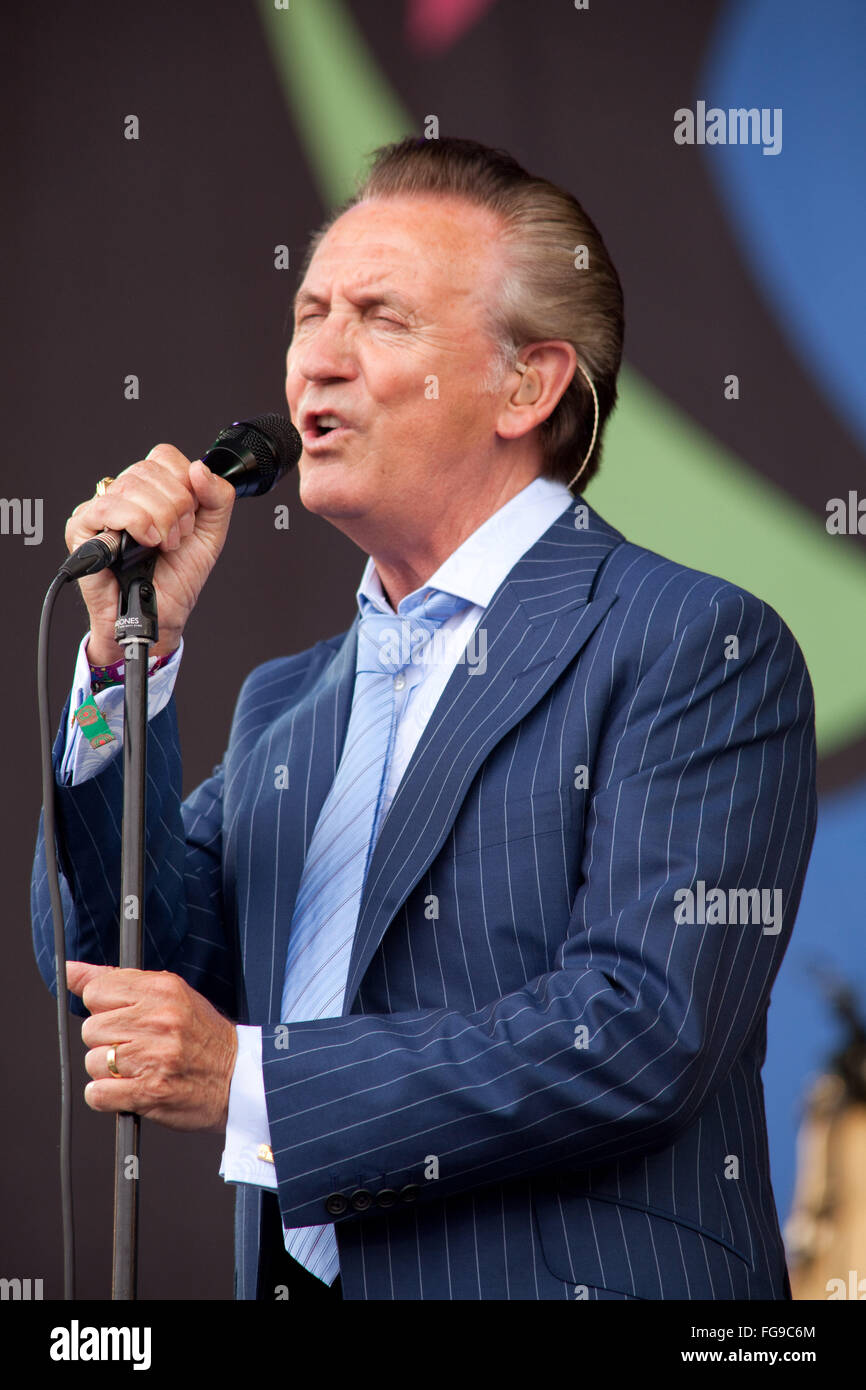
(265, 1153)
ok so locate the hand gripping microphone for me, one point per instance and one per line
(252, 455)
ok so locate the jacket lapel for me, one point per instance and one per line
(536, 623)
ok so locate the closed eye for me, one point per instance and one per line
(379, 318)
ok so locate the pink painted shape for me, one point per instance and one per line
(432, 26)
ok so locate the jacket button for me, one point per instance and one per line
(361, 1199)
(386, 1197)
(409, 1193)
(336, 1204)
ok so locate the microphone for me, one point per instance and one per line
(251, 454)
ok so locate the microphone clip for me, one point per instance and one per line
(136, 604)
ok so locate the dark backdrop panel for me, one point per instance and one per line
(155, 258)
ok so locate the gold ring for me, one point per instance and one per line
(103, 485)
(112, 1059)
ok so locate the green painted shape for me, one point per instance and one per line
(669, 485)
(341, 104)
(665, 482)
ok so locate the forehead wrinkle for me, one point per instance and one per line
(362, 283)
(417, 250)
(362, 297)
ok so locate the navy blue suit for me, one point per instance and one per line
(544, 1084)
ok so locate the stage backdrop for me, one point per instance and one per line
(166, 164)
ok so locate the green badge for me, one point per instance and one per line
(92, 724)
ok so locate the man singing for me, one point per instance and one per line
(464, 943)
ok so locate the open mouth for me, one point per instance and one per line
(320, 426)
(326, 424)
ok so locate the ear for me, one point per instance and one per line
(547, 371)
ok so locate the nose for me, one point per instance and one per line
(326, 353)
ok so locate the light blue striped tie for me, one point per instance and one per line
(329, 894)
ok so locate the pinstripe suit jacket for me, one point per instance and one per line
(543, 1085)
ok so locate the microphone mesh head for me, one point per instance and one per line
(255, 453)
(281, 446)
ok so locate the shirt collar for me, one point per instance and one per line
(478, 566)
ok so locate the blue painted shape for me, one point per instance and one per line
(800, 215)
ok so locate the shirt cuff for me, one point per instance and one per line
(247, 1155)
(80, 759)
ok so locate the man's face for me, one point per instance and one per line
(390, 339)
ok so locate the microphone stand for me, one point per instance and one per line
(136, 630)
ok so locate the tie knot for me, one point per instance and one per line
(390, 641)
